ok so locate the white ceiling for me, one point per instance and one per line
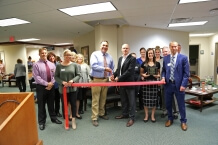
(53, 26)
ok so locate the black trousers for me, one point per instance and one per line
(21, 83)
(128, 102)
(81, 95)
(57, 101)
(45, 96)
(71, 97)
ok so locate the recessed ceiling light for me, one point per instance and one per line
(63, 44)
(201, 35)
(187, 24)
(191, 1)
(88, 9)
(12, 21)
(29, 39)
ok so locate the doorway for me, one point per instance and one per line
(194, 59)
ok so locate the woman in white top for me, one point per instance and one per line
(85, 70)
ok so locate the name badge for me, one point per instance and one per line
(63, 69)
(169, 64)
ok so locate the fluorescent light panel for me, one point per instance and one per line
(62, 43)
(191, 1)
(199, 35)
(187, 24)
(89, 9)
(12, 21)
(29, 39)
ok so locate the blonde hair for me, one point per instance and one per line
(80, 55)
(41, 49)
(74, 56)
(67, 51)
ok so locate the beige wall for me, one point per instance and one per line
(108, 33)
(203, 67)
(12, 53)
(206, 61)
(138, 37)
(87, 39)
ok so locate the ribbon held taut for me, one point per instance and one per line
(102, 84)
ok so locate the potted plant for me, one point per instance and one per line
(209, 82)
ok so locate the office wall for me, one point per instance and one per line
(203, 67)
(12, 53)
(87, 39)
(138, 37)
(206, 60)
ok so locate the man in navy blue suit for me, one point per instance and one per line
(175, 73)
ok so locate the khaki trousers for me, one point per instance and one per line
(99, 95)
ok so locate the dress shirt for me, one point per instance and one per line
(40, 74)
(97, 64)
(174, 58)
(123, 59)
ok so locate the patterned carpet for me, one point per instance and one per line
(202, 129)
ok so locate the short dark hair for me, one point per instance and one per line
(142, 49)
(19, 60)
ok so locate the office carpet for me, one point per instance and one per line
(202, 128)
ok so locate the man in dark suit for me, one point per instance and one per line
(125, 73)
(175, 73)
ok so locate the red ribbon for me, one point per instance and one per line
(119, 84)
(65, 108)
(102, 84)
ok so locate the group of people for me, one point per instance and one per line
(51, 77)
(172, 69)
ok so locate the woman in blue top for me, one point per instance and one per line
(52, 58)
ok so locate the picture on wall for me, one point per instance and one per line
(85, 53)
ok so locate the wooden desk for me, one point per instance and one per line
(202, 99)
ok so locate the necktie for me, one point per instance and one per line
(105, 65)
(48, 72)
(172, 68)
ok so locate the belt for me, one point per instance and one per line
(100, 78)
(173, 82)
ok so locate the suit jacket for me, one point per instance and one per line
(181, 72)
(127, 70)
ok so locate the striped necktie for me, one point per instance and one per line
(105, 65)
(172, 68)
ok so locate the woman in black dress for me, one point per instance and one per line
(150, 71)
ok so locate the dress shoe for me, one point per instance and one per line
(74, 124)
(145, 120)
(104, 117)
(95, 123)
(42, 126)
(79, 117)
(184, 126)
(121, 117)
(153, 121)
(58, 114)
(81, 112)
(168, 123)
(130, 123)
(56, 121)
